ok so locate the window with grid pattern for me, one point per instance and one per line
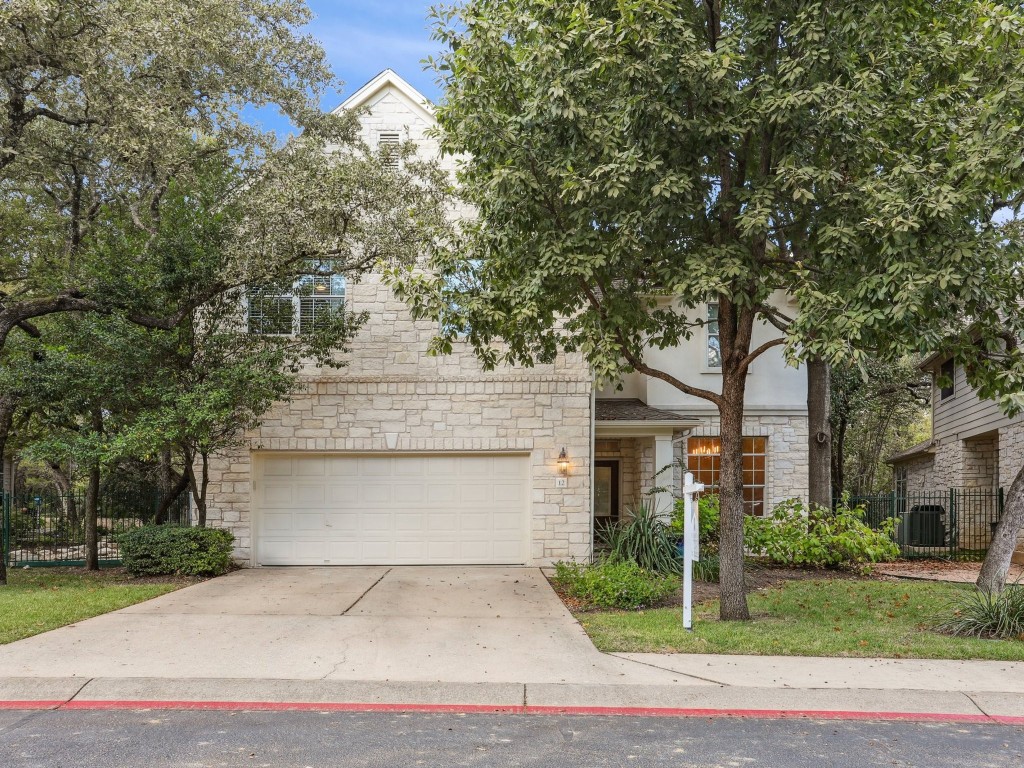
(321, 297)
(704, 460)
(270, 312)
(311, 303)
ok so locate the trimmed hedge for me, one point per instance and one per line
(161, 550)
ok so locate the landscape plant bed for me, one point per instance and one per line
(758, 576)
(808, 617)
(40, 599)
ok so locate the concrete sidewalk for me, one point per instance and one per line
(536, 698)
(460, 639)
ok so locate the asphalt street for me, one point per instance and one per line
(53, 739)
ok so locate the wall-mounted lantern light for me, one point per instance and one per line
(563, 463)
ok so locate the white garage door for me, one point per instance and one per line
(390, 509)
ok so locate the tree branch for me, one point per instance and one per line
(754, 354)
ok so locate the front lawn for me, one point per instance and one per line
(828, 617)
(38, 600)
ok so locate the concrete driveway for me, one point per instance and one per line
(454, 624)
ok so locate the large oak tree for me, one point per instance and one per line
(630, 160)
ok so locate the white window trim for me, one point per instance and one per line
(705, 367)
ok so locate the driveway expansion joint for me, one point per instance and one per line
(365, 593)
(667, 669)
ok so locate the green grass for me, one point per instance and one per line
(835, 617)
(42, 599)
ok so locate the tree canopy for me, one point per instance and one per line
(629, 160)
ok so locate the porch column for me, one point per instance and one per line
(663, 458)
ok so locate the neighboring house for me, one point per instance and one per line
(406, 458)
(973, 455)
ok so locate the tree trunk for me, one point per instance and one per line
(733, 601)
(199, 487)
(62, 480)
(181, 483)
(735, 333)
(992, 578)
(92, 499)
(819, 455)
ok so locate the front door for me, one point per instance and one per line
(606, 494)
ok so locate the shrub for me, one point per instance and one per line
(709, 512)
(707, 568)
(793, 535)
(160, 550)
(614, 584)
(981, 614)
(644, 539)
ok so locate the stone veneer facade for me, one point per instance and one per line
(393, 397)
(986, 462)
(786, 462)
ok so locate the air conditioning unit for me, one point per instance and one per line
(923, 526)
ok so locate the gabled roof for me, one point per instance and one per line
(632, 409)
(388, 79)
(926, 448)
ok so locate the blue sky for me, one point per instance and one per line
(362, 37)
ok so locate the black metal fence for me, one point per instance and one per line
(40, 529)
(958, 522)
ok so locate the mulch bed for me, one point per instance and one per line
(940, 570)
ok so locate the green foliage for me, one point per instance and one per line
(826, 617)
(707, 568)
(614, 583)
(40, 599)
(158, 550)
(643, 539)
(821, 538)
(709, 511)
(986, 614)
(878, 408)
(630, 160)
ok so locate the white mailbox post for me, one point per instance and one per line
(691, 544)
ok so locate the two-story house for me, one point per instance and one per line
(406, 458)
(975, 451)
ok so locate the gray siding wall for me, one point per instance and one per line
(964, 414)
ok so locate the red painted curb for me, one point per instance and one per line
(309, 706)
(31, 704)
(1008, 719)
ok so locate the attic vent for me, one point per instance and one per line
(387, 143)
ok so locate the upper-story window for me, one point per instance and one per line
(947, 372)
(311, 302)
(388, 144)
(714, 345)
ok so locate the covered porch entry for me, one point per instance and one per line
(635, 453)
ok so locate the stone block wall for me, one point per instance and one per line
(981, 462)
(920, 473)
(393, 396)
(786, 462)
